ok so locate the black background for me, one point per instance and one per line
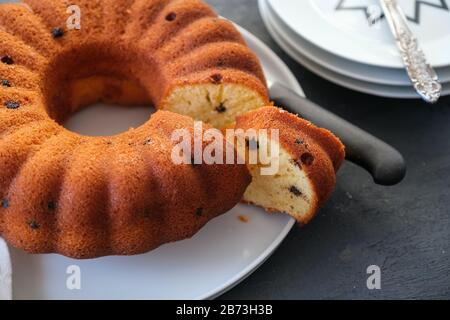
(404, 229)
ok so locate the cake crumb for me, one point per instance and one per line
(243, 218)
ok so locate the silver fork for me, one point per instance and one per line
(422, 75)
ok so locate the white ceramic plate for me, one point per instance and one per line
(221, 255)
(5, 272)
(351, 83)
(349, 68)
(347, 33)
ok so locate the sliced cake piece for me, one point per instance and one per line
(304, 160)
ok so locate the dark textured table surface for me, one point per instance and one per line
(403, 229)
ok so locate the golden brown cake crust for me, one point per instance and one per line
(316, 151)
(86, 197)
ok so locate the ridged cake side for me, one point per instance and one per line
(89, 197)
(189, 60)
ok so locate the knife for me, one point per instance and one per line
(386, 165)
(5, 272)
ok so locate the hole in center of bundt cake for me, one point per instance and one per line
(103, 119)
(97, 90)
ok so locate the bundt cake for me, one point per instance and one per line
(306, 161)
(176, 54)
(84, 196)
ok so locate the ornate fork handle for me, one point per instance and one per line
(422, 75)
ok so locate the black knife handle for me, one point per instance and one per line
(385, 164)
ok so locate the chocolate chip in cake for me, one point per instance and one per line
(217, 78)
(299, 141)
(171, 16)
(4, 204)
(307, 159)
(199, 212)
(51, 206)
(57, 33)
(7, 60)
(295, 191)
(6, 83)
(12, 105)
(221, 108)
(34, 225)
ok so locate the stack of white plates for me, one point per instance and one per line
(348, 41)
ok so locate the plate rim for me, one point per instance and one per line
(395, 63)
(266, 254)
(305, 50)
(332, 76)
